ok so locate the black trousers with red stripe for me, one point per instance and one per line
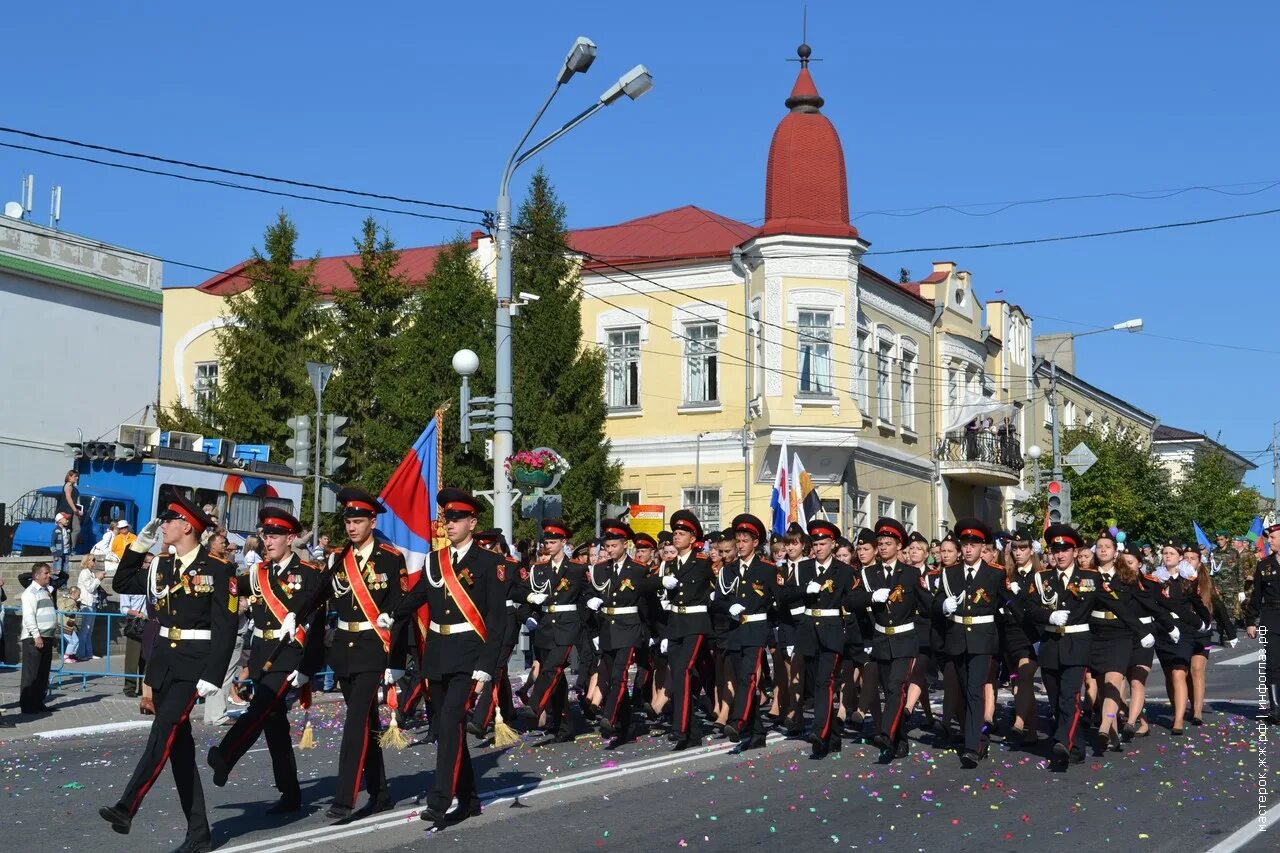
(748, 666)
(895, 676)
(496, 695)
(617, 701)
(682, 655)
(551, 691)
(360, 759)
(454, 775)
(266, 715)
(825, 667)
(971, 671)
(1063, 687)
(170, 741)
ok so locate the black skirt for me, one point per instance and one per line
(1110, 651)
(1171, 653)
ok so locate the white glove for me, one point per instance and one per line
(662, 646)
(949, 605)
(812, 588)
(736, 610)
(594, 603)
(866, 650)
(880, 596)
(481, 676)
(791, 651)
(531, 624)
(391, 676)
(1186, 570)
(147, 536)
(1059, 618)
(297, 679)
(1240, 596)
(1035, 647)
(1175, 634)
(288, 625)
(1233, 642)
(1204, 626)
(652, 642)
(536, 598)
(385, 620)
(595, 643)
(670, 581)
(1014, 588)
(1162, 575)
(205, 689)
(1147, 641)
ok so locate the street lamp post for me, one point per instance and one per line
(633, 84)
(1131, 326)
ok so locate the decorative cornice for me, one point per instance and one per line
(902, 311)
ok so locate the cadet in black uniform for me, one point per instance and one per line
(1021, 638)
(558, 589)
(687, 580)
(465, 589)
(759, 588)
(281, 589)
(1262, 615)
(970, 596)
(620, 584)
(499, 696)
(196, 601)
(367, 581)
(829, 591)
(898, 594)
(862, 697)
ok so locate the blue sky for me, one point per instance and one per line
(936, 103)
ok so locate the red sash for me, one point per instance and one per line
(274, 604)
(465, 604)
(361, 592)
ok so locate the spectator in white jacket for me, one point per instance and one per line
(90, 582)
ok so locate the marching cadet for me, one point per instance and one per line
(558, 588)
(1061, 601)
(788, 671)
(465, 590)
(862, 694)
(727, 573)
(897, 595)
(758, 588)
(1262, 615)
(1020, 638)
(368, 580)
(620, 584)
(499, 697)
(829, 590)
(196, 601)
(1176, 651)
(282, 591)
(971, 595)
(687, 579)
(929, 629)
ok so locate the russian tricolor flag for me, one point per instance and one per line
(410, 498)
(780, 500)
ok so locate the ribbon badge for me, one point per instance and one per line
(626, 585)
(896, 596)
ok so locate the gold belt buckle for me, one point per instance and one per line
(175, 634)
(446, 629)
(269, 634)
(889, 630)
(968, 620)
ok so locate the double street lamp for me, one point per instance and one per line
(633, 84)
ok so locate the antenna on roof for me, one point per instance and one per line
(28, 188)
(55, 207)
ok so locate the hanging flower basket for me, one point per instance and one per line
(535, 468)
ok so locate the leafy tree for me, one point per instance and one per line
(361, 338)
(1212, 495)
(558, 383)
(263, 349)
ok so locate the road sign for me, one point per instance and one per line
(1081, 458)
(319, 374)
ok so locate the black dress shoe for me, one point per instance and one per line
(968, 759)
(1176, 732)
(1061, 753)
(337, 812)
(1196, 721)
(881, 742)
(835, 743)
(118, 818)
(819, 750)
(732, 733)
(218, 763)
(1077, 755)
(607, 729)
(757, 742)
(682, 744)
(286, 805)
(381, 803)
(474, 729)
(432, 815)
(564, 736)
(904, 749)
(191, 846)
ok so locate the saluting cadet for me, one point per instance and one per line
(196, 602)
(829, 591)
(971, 595)
(558, 588)
(897, 596)
(1262, 613)
(620, 584)
(687, 579)
(282, 603)
(498, 695)
(465, 590)
(368, 580)
(759, 587)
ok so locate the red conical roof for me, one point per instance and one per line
(806, 190)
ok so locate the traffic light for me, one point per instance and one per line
(125, 452)
(300, 445)
(334, 442)
(1059, 502)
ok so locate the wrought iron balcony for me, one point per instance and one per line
(980, 457)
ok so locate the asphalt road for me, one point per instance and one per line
(1164, 793)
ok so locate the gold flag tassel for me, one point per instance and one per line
(503, 735)
(393, 737)
(308, 739)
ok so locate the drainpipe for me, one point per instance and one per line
(735, 260)
(938, 389)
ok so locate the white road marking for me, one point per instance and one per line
(1246, 833)
(101, 728)
(1242, 660)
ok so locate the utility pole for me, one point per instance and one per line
(319, 374)
(1275, 468)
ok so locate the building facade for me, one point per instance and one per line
(82, 336)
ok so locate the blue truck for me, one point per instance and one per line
(113, 488)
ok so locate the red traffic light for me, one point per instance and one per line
(1055, 487)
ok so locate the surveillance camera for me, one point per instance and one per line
(529, 297)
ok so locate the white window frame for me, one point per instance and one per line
(705, 349)
(622, 496)
(861, 360)
(908, 367)
(203, 387)
(757, 349)
(611, 360)
(884, 507)
(861, 510)
(697, 500)
(885, 353)
(908, 517)
(823, 388)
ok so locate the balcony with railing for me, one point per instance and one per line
(980, 457)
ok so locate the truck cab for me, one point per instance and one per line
(102, 509)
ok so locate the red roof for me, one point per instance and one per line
(683, 233)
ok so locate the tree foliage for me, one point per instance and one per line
(1210, 493)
